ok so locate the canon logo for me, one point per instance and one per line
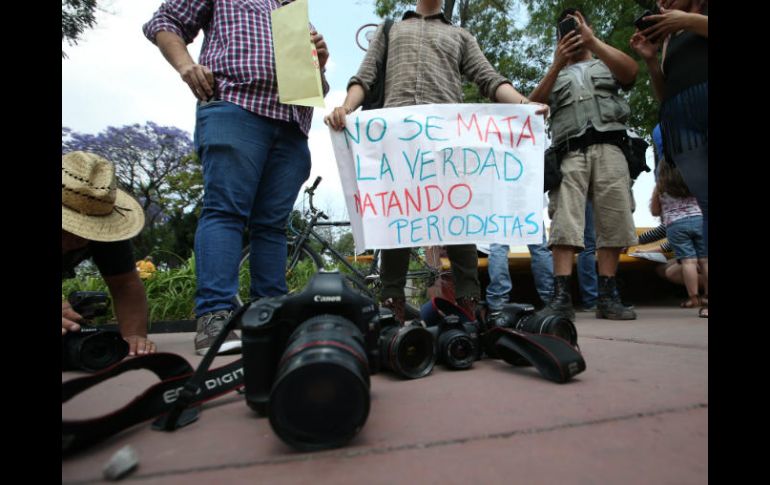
(326, 299)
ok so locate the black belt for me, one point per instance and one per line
(593, 137)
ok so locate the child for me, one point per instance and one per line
(677, 207)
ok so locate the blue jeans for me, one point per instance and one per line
(542, 268)
(253, 168)
(500, 277)
(686, 238)
(586, 262)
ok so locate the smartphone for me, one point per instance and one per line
(642, 24)
(566, 26)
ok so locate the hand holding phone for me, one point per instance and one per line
(641, 23)
(566, 26)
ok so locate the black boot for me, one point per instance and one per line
(609, 305)
(561, 301)
(398, 307)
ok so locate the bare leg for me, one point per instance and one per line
(690, 276)
(608, 260)
(562, 260)
(672, 271)
(703, 265)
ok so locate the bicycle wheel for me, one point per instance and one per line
(300, 266)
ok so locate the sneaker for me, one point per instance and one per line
(209, 326)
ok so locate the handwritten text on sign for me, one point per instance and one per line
(443, 174)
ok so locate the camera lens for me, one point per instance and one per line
(408, 351)
(550, 324)
(320, 398)
(456, 349)
(92, 349)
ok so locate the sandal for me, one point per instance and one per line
(703, 312)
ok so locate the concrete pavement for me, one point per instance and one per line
(637, 415)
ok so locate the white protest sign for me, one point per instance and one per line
(433, 175)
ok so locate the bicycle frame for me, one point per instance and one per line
(308, 233)
(300, 239)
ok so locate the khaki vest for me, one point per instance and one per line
(597, 100)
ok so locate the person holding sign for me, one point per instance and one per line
(588, 121)
(253, 148)
(427, 57)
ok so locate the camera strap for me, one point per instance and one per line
(437, 308)
(193, 385)
(175, 400)
(552, 356)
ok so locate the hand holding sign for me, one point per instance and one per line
(443, 174)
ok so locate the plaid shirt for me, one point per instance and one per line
(237, 47)
(427, 58)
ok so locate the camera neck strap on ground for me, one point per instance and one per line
(172, 400)
(193, 385)
(552, 356)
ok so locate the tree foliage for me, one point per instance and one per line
(523, 50)
(158, 166)
(76, 17)
(613, 22)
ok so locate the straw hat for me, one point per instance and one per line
(92, 207)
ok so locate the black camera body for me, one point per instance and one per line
(566, 26)
(89, 304)
(91, 348)
(307, 359)
(641, 23)
(457, 342)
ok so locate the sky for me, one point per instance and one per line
(114, 76)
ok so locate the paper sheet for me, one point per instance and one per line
(435, 175)
(657, 257)
(296, 59)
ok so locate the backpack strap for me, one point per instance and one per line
(376, 97)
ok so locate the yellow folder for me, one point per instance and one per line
(296, 60)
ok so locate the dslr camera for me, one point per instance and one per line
(522, 316)
(91, 349)
(307, 359)
(407, 349)
(455, 331)
(457, 342)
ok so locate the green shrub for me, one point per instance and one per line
(171, 292)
